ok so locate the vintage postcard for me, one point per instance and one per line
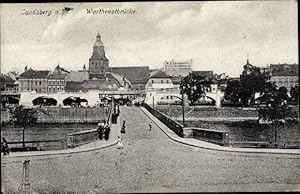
(150, 97)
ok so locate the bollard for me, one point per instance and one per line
(26, 178)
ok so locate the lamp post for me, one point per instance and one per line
(153, 101)
(182, 100)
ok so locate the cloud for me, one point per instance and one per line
(216, 35)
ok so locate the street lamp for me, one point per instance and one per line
(182, 100)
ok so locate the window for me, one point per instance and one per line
(36, 83)
(152, 81)
(62, 88)
(40, 82)
(162, 81)
(167, 81)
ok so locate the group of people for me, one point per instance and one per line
(4, 147)
(103, 129)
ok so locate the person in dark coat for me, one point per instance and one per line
(100, 130)
(5, 146)
(106, 132)
(123, 127)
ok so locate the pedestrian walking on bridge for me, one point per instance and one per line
(120, 144)
(4, 146)
(150, 125)
(123, 127)
(106, 132)
(100, 129)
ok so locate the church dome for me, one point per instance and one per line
(98, 41)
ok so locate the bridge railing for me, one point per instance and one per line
(175, 126)
(208, 135)
(84, 137)
(36, 145)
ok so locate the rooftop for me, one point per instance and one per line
(159, 74)
(34, 74)
(284, 69)
(136, 75)
(206, 74)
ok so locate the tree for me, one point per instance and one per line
(23, 117)
(233, 91)
(276, 109)
(252, 81)
(295, 94)
(194, 86)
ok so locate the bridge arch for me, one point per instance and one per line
(75, 101)
(44, 101)
(205, 100)
(170, 99)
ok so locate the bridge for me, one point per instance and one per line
(154, 97)
(92, 97)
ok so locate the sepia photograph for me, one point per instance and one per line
(149, 97)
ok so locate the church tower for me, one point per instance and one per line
(98, 63)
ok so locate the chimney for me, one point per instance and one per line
(25, 69)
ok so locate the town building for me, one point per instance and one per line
(138, 76)
(286, 75)
(56, 81)
(8, 84)
(33, 80)
(159, 80)
(77, 76)
(177, 68)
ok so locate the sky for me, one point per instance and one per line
(218, 36)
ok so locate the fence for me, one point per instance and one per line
(36, 145)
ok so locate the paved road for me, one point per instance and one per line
(151, 162)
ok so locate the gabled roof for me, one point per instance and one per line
(34, 74)
(7, 79)
(56, 76)
(136, 75)
(77, 76)
(101, 76)
(73, 86)
(99, 84)
(160, 74)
